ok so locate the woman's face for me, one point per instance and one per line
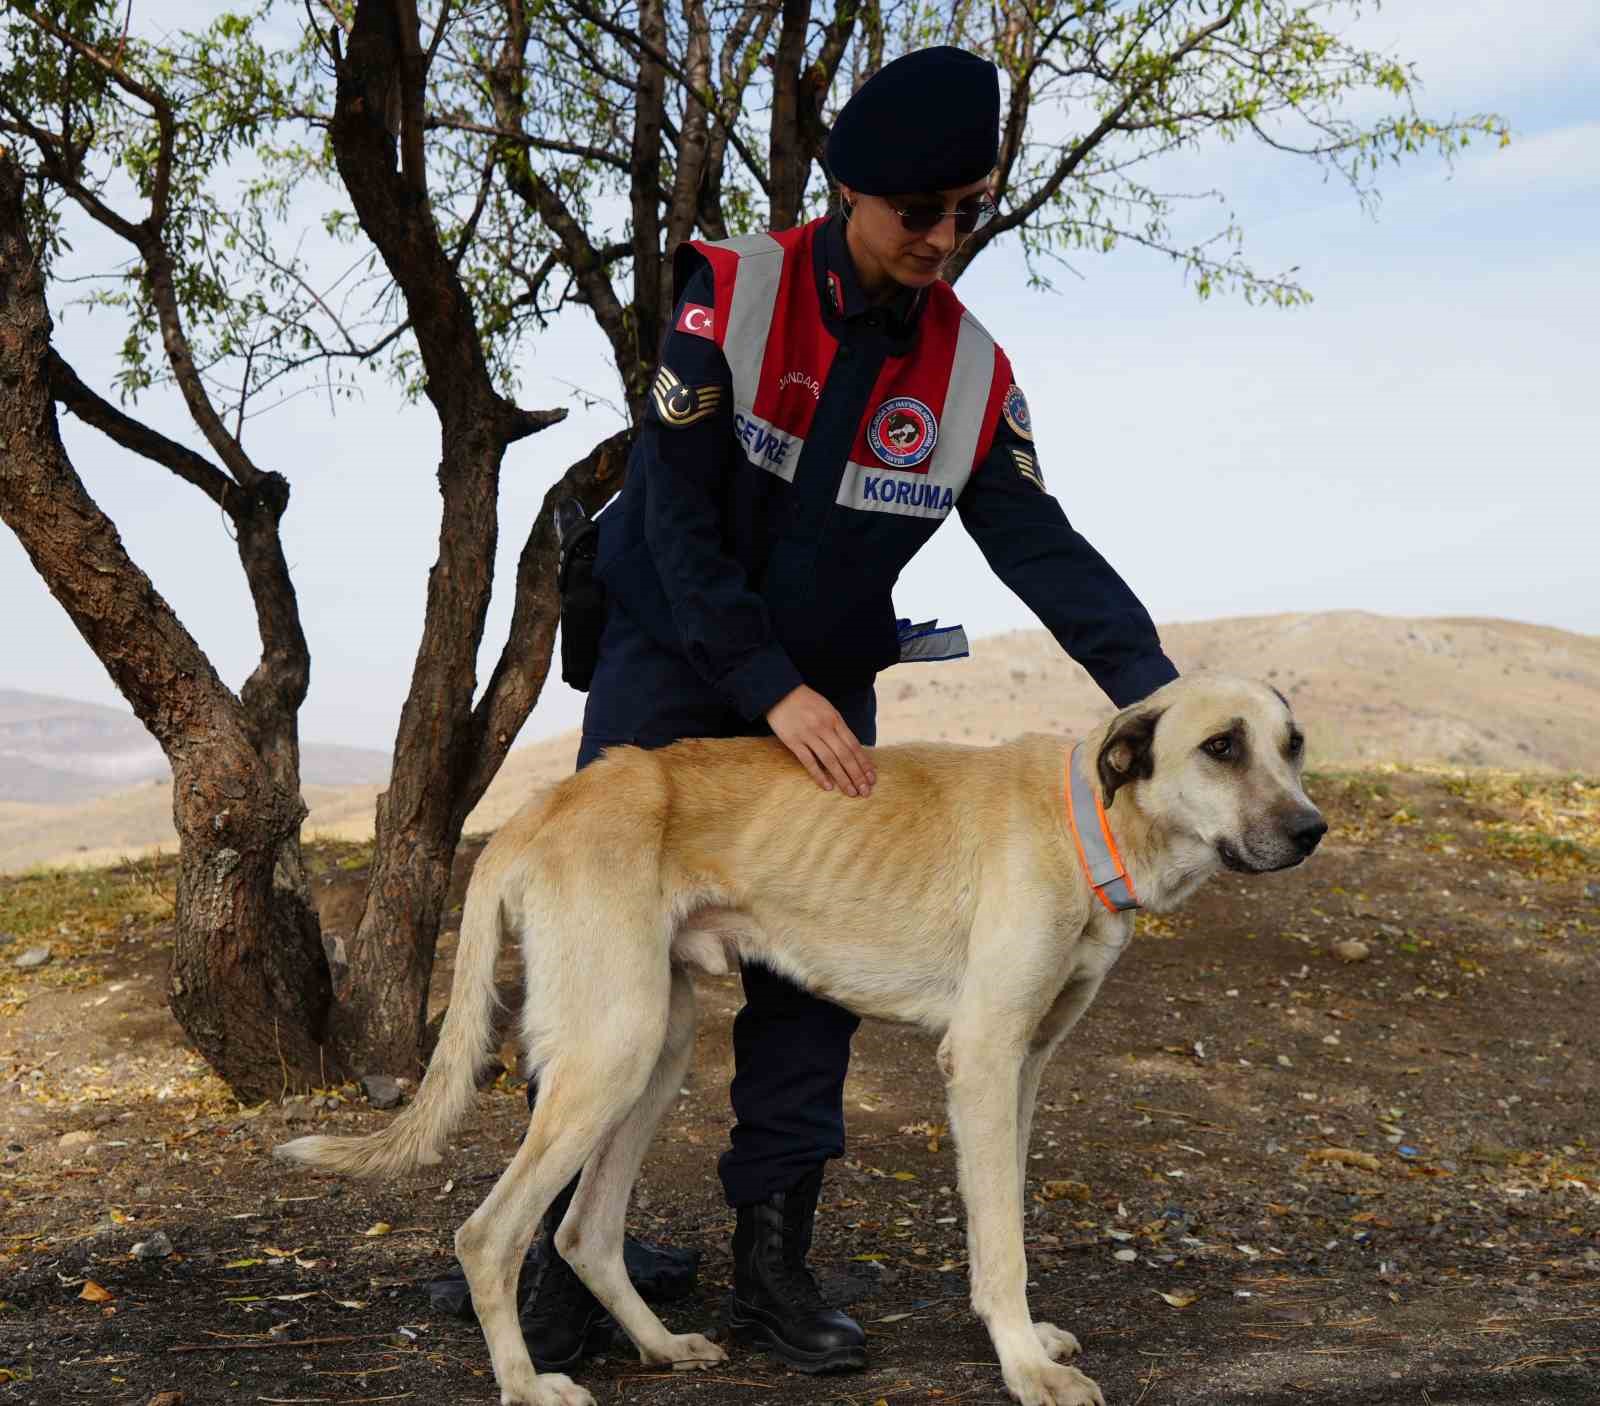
(886, 251)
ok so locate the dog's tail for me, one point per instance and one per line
(418, 1136)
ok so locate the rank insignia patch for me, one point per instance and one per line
(1015, 410)
(1028, 467)
(678, 404)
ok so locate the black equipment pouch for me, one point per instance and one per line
(583, 597)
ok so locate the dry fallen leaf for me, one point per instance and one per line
(1347, 1157)
(93, 1293)
(1182, 1299)
(1065, 1191)
(381, 1228)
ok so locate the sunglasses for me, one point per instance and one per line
(922, 216)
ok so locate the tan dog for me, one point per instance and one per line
(955, 898)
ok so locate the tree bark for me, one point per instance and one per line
(381, 978)
(248, 983)
(790, 161)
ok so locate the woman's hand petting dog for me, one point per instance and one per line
(810, 727)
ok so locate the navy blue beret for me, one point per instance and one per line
(930, 120)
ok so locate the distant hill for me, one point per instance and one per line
(1368, 689)
(58, 751)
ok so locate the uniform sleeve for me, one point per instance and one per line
(686, 453)
(1076, 593)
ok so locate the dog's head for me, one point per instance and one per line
(1214, 765)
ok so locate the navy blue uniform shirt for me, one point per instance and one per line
(764, 585)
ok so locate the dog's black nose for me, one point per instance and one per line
(1307, 830)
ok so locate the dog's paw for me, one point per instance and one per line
(547, 1389)
(1047, 1384)
(1057, 1343)
(690, 1352)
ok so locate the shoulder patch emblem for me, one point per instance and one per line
(1028, 467)
(903, 432)
(698, 321)
(1015, 410)
(678, 404)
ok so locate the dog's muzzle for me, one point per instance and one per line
(1281, 848)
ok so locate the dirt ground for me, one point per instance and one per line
(1260, 1173)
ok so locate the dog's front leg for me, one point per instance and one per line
(977, 1065)
(1057, 1342)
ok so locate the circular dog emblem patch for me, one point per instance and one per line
(1015, 409)
(903, 432)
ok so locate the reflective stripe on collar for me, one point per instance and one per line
(1097, 850)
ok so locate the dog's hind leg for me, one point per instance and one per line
(585, 1091)
(590, 1236)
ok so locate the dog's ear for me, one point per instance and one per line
(1125, 755)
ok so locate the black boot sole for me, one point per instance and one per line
(597, 1340)
(751, 1332)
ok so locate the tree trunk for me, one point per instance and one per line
(381, 977)
(249, 983)
(790, 162)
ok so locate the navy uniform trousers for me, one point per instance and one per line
(791, 1049)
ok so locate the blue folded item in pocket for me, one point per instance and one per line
(929, 642)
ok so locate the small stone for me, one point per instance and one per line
(33, 957)
(1351, 951)
(381, 1090)
(7, 938)
(1592, 890)
(296, 1110)
(157, 1247)
(71, 1142)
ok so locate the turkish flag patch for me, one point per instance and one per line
(697, 321)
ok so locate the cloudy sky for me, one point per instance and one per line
(1420, 441)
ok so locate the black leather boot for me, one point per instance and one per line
(562, 1322)
(775, 1302)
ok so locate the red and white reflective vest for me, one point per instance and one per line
(930, 419)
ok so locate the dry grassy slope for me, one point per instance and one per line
(1367, 687)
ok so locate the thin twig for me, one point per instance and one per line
(287, 1342)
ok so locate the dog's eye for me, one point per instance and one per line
(1219, 747)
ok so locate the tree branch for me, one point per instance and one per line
(92, 409)
(521, 138)
(506, 79)
(650, 287)
(157, 102)
(641, 51)
(1021, 214)
(524, 663)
